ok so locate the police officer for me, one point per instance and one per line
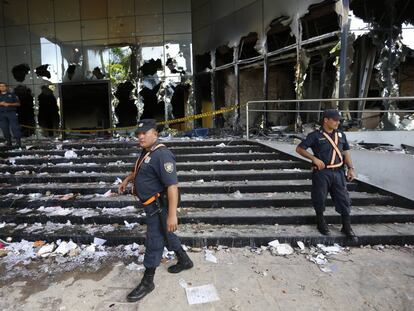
(330, 153)
(155, 183)
(8, 115)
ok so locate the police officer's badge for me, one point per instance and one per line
(340, 134)
(147, 160)
(169, 167)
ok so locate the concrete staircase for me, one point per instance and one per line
(234, 193)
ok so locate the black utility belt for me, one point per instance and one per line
(315, 168)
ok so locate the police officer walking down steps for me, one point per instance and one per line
(330, 153)
(155, 183)
(8, 115)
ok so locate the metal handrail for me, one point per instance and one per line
(319, 100)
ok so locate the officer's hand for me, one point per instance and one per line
(172, 223)
(122, 187)
(319, 164)
(350, 175)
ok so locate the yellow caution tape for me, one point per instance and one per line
(179, 120)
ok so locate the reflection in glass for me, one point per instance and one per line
(48, 115)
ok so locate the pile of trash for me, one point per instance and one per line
(320, 255)
(39, 258)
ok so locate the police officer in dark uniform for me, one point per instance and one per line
(8, 115)
(330, 153)
(155, 183)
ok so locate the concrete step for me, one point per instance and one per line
(234, 193)
(193, 175)
(193, 215)
(107, 144)
(187, 166)
(185, 187)
(198, 235)
(130, 159)
(187, 200)
(137, 150)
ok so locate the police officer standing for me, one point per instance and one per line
(330, 153)
(8, 115)
(155, 183)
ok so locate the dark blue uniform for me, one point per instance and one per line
(156, 173)
(330, 180)
(8, 117)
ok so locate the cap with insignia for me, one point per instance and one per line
(331, 114)
(145, 125)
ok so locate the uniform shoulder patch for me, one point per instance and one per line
(169, 167)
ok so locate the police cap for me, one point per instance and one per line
(145, 125)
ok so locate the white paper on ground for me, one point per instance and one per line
(134, 267)
(330, 250)
(280, 249)
(273, 243)
(301, 245)
(319, 260)
(65, 247)
(208, 255)
(98, 241)
(201, 294)
(70, 154)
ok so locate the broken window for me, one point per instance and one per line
(279, 34)
(224, 55)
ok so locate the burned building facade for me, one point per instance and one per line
(259, 50)
(106, 63)
(101, 63)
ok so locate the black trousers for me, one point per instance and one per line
(155, 237)
(330, 181)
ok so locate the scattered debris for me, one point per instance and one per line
(319, 259)
(117, 181)
(330, 250)
(67, 197)
(46, 250)
(70, 154)
(208, 256)
(38, 243)
(278, 249)
(237, 195)
(99, 241)
(135, 267)
(65, 247)
(301, 245)
(201, 294)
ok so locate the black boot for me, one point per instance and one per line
(184, 262)
(18, 143)
(321, 224)
(347, 230)
(145, 287)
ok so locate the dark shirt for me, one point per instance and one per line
(321, 147)
(8, 98)
(156, 173)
